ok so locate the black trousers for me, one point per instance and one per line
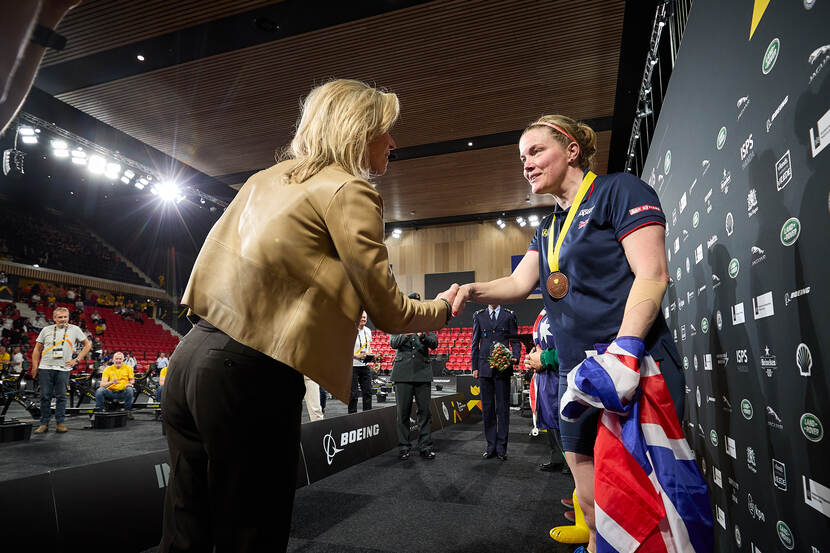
(227, 488)
(495, 412)
(361, 378)
(404, 392)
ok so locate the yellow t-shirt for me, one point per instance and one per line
(163, 372)
(123, 375)
(5, 359)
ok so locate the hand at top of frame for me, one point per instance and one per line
(461, 299)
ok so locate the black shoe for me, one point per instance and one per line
(550, 467)
(502, 456)
(428, 454)
(403, 454)
(488, 454)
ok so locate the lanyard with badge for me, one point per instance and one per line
(558, 283)
(57, 352)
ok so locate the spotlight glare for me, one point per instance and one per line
(59, 144)
(143, 181)
(533, 218)
(29, 139)
(26, 131)
(167, 191)
(139, 185)
(154, 191)
(125, 180)
(112, 171)
(60, 153)
(129, 174)
(534, 224)
(139, 57)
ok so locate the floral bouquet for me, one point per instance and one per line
(500, 357)
(377, 362)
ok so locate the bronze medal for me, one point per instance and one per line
(557, 285)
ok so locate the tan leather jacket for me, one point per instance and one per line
(288, 268)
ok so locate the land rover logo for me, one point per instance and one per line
(667, 162)
(785, 535)
(721, 138)
(746, 409)
(790, 231)
(771, 56)
(695, 219)
(734, 267)
(679, 273)
(704, 325)
(714, 437)
(685, 363)
(811, 427)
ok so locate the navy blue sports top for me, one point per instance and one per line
(594, 261)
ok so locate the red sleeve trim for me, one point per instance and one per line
(662, 224)
(532, 250)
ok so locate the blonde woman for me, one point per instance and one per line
(278, 288)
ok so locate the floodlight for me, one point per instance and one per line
(97, 164)
(167, 190)
(29, 139)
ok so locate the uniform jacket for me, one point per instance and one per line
(412, 358)
(485, 334)
(289, 267)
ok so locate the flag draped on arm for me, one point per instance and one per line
(649, 494)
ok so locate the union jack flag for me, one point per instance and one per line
(649, 492)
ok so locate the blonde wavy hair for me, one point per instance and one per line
(337, 122)
(584, 136)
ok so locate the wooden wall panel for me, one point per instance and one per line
(479, 247)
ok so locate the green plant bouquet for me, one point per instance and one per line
(500, 357)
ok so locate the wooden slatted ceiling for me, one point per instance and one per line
(97, 25)
(479, 181)
(461, 68)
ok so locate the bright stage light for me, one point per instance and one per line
(112, 171)
(139, 185)
(125, 180)
(96, 164)
(60, 153)
(167, 190)
(58, 144)
(31, 139)
(78, 156)
(26, 131)
(129, 174)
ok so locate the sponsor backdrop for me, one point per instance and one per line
(741, 164)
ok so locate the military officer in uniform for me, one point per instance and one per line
(412, 375)
(492, 325)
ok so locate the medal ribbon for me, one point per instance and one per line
(553, 254)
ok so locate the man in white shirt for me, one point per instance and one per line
(51, 363)
(361, 374)
(17, 360)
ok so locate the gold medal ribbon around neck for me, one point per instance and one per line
(553, 253)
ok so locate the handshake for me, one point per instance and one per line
(457, 296)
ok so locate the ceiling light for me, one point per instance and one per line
(125, 180)
(139, 185)
(58, 144)
(96, 165)
(29, 139)
(112, 171)
(140, 57)
(532, 218)
(167, 190)
(26, 131)
(469, 144)
(78, 156)
(129, 174)
(60, 153)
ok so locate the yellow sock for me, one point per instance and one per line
(577, 533)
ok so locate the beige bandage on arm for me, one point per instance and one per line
(644, 290)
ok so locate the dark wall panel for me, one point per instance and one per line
(740, 163)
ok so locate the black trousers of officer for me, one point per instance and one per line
(362, 378)
(404, 392)
(224, 490)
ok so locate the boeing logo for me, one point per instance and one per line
(330, 447)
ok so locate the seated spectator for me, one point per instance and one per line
(95, 316)
(71, 295)
(5, 359)
(117, 383)
(99, 328)
(51, 300)
(8, 322)
(79, 306)
(17, 360)
(106, 356)
(39, 323)
(130, 360)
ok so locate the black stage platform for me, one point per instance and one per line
(371, 502)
